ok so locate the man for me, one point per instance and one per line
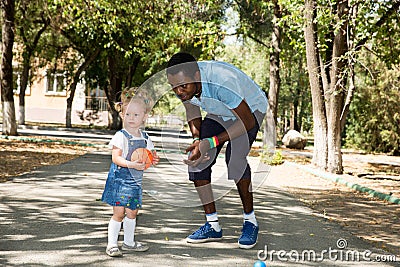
(235, 107)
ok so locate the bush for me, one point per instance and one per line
(373, 124)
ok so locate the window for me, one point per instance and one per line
(56, 82)
(95, 99)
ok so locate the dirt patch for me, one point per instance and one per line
(18, 157)
(377, 221)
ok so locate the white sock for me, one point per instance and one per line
(213, 220)
(251, 217)
(129, 231)
(113, 232)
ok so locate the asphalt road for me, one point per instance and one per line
(52, 217)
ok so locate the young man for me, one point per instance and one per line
(235, 107)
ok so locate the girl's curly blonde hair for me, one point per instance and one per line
(131, 94)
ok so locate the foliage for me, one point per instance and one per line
(31, 21)
(168, 104)
(132, 39)
(92, 117)
(378, 22)
(246, 56)
(294, 96)
(374, 120)
(273, 159)
(255, 18)
(148, 30)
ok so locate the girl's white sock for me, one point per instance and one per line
(113, 232)
(129, 231)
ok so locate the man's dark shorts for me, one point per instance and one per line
(236, 151)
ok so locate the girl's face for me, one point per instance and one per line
(133, 115)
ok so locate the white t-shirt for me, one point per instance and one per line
(119, 140)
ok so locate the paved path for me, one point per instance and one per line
(52, 217)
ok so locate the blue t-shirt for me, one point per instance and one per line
(224, 87)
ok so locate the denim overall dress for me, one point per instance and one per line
(124, 185)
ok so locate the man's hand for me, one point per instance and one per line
(198, 153)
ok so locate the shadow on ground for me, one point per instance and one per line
(52, 216)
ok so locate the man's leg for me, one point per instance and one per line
(246, 194)
(248, 238)
(239, 170)
(211, 230)
(205, 192)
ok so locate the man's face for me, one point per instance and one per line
(183, 86)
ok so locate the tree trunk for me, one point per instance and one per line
(349, 96)
(335, 96)
(293, 125)
(269, 138)
(27, 54)
(302, 99)
(22, 89)
(6, 73)
(329, 120)
(275, 80)
(350, 62)
(320, 153)
(88, 60)
(115, 78)
(131, 73)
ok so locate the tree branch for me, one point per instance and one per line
(380, 22)
(257, 40)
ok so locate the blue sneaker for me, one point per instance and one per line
(204, 234)
(248, 239)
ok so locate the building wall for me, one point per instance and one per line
(41, 106)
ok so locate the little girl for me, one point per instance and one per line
(123, 189)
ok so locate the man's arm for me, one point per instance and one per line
(243, 124)
(194, 119)
(193, 116)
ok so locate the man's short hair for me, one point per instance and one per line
(184, 62)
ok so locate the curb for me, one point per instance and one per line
(58, 141)
(341, 180)
(60, 128)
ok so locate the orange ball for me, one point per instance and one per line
(143, 155)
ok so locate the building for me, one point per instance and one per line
(46, 100)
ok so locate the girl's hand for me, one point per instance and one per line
(140, 166)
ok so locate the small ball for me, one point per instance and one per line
(143, 155)
(259, 264)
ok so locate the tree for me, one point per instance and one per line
(6, 71)
(319, 116)
(330, 69)
(373, 124)
(274, 61)
(126, 34)
(31, 23)
(257, 23)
